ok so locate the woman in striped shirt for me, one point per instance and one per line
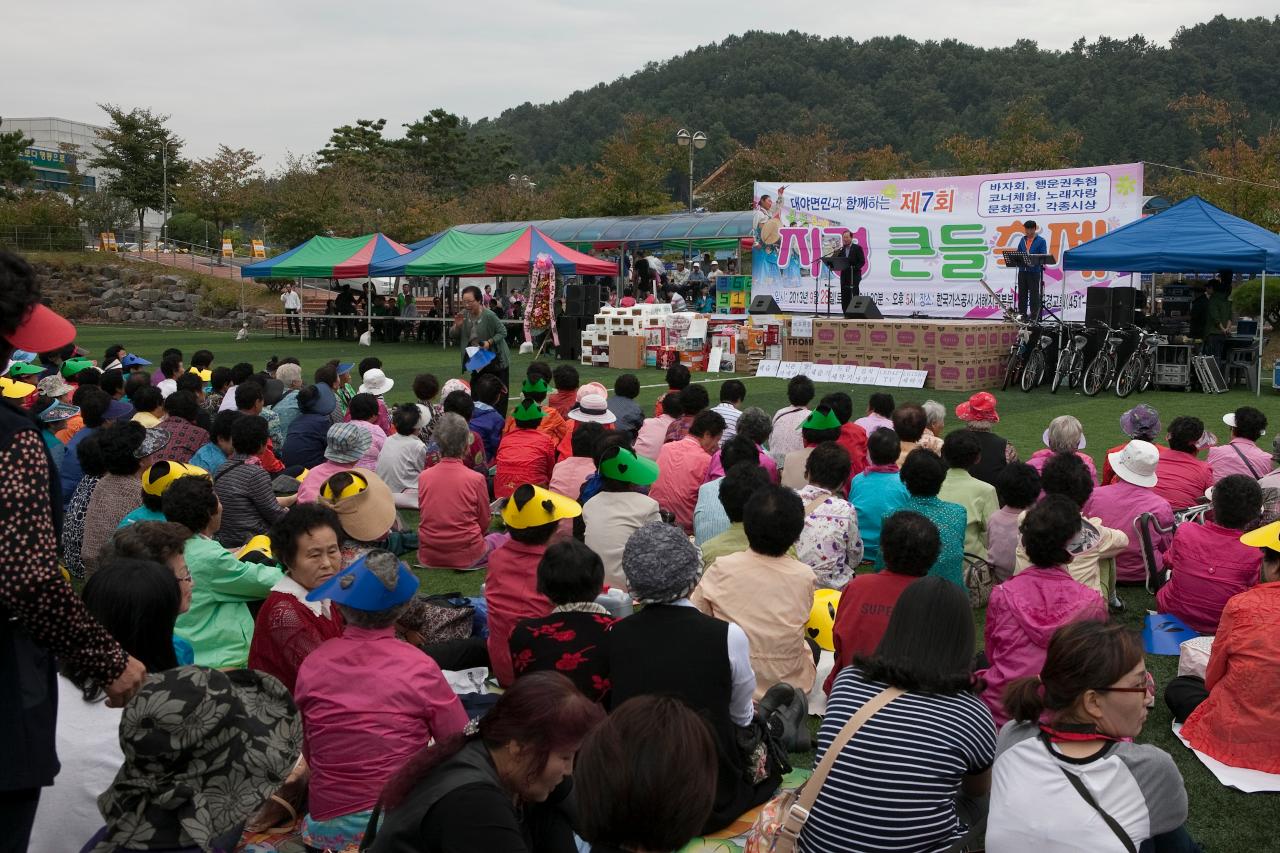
(915, 776)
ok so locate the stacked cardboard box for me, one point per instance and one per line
(635, 321)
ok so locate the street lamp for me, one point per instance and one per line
(691, 141)
(164, 191)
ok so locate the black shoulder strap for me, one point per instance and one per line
(1111, 822)
(1245, 460)
(371, 829)
(229, 468)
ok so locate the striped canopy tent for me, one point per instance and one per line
(329, 257)
(505, 253)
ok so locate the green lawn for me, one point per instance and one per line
(1222, 819)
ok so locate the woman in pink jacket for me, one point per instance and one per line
(1026, 609)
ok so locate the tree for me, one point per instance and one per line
(778, 158)
(635, 166)
(14, 171)
(1026, 139)
(360, 145)
(140, 150)
(74, 189)
(1252, 186)
(103, 210)
(220, 188)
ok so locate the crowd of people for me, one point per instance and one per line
(648, 614)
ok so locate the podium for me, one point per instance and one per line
(836, 264)
(1022, 261)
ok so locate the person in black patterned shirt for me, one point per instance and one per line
(571, 639)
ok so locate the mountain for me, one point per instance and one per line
(912, 95)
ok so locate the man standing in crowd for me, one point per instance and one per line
(292, 306)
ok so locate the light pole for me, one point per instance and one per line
(691, 141)
(164, 191)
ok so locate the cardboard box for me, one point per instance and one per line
(797, 349)
(826, 332)
(696, 361)
(855, 357)
(824, 355)
(879, 335)
(626, 352)
(958, 340)
(667, 357)
(956, 374)
(908, 338)
(904, 361)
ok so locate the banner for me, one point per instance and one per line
(929, 242)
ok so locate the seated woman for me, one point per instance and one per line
(160, 542)
(526, 454)
(503, 783)
(736, 488)
(1230, 714)
(924, 756)
(830, 543)
(1182, 478)
(532, 516)
(628, 798)
(1207, 562)
(1094, 549)
(923, 474)
(218, 625)
(155, 481)
(709, 516)
(821, 425)
(619, 509)
(176, 799)
(249, 504)
(1025, 610)
(1065, 434)
(1095, 690)
(305, 439)
(137, 601)
(877, 492)
(89, 454)
(289, 627)
(454, 504)
(119, 493)
(459, 402)
(673, 649)
(571, 639)
(368, 700)
(755, 426)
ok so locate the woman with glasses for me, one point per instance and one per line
(1067, 774)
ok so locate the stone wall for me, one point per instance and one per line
(118, 293)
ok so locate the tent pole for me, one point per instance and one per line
(1262, 314)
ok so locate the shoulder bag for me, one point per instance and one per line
(1112, 823)
(782, 819)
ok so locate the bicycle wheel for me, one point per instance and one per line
(1148, 374)
(1061, 371)
(1130, 375)
(1096, 375)
(1076, 372)
(1033, 373)
(1012, 369)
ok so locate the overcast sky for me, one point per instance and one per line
(277, 75)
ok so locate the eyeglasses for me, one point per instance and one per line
(184, 578)
(1149, 688)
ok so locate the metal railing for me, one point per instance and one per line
(336, 327)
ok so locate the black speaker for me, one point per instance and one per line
(763, 304)
(570, 331)
(1110, 305)
(1122, 303)
(582, 300)
(862, 308)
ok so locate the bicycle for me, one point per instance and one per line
(1139, 371)
(1037, 361)
(1101, 372)
(1018, 352)
(1070, 367)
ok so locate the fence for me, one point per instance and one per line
(47, 238)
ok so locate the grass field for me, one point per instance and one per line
(1221, 818)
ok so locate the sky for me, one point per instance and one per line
(276, 76)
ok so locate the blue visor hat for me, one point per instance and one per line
(359, 588)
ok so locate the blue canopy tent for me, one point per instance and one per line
(1191, 236)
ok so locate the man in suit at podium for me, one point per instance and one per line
(851, 276)
(1031, 279)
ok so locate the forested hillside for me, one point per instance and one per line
(912, 95)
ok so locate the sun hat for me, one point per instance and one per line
(660, 563)
(590, 388)
(359, 588)
(543, 506)
(364, 503)
(163, 474)
(345, 367)
(42, 330)
(1266, 536)
(203, 749)
(324, 403)
(58, 412)
(54, 386)
(131, 360)
(12, 389)
(528, 410)
(821, 421)
(1136, 462)
(376, 382)
(979, 407)
(157, 439)
(624, 466)
(260, 544)
(1229, 419)
(531, 387)
(22, 368)
(118, 410)
(454, 385)
(205, 375)
(1140, 420)
(346, 443)
(593, 409)
(72, 366)
(23, 355)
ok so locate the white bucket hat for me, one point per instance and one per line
(1136, 463)
(593, 408)
(376, 382)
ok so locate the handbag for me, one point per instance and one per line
(978, 580)
(432, 619)
(782, 819)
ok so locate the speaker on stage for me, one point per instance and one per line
(862, 308)
(570, 331)
(763, 304)
(1122, 304)
(1110, 305)
(582, 300)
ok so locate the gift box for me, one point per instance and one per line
(667, 357)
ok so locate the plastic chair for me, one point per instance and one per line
(1242, 364)
(1143, 526)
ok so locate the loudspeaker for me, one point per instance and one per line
(862, 308)
(1122, 302)
(582, 300)
(1110, 305)
(570, 331)
(763, 304)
